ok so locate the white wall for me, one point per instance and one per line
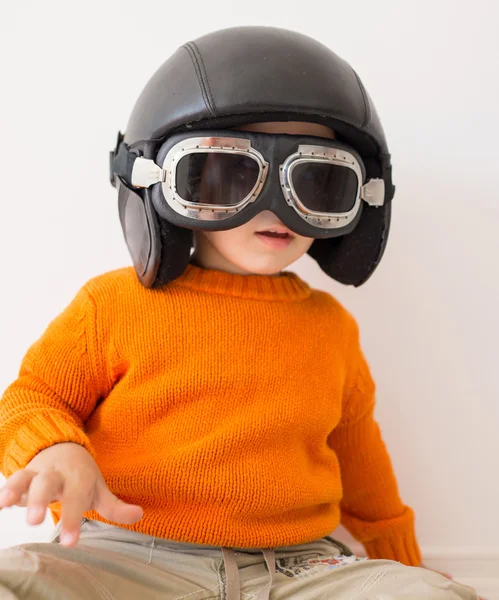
(70, 75)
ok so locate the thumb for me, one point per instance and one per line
(113, 509)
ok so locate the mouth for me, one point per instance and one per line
(275, 237)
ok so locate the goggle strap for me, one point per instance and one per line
(134, 169)
(112, 155)
(387, 177)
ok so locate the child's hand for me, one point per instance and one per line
(65, 472)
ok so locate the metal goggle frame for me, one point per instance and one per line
(146, 172)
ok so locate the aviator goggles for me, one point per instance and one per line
(221, 179)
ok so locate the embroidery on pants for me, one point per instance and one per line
(297, 564)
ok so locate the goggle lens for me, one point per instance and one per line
(216, 178)
(325, 187)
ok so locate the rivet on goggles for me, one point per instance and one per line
(215, 177)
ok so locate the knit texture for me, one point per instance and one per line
(236, 410)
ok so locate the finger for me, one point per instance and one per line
(113, 509)
(45, 488)
(15, 486)
(76, 498)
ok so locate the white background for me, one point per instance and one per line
(70, 75)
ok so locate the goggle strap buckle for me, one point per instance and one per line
(146, 172)
(373, 192)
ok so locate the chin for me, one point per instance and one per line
(263, 267)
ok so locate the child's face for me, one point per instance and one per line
(247, 249)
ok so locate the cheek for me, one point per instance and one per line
(304, 243)
(227, 241)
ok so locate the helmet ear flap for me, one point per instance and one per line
(351, 259)
(141, 230)
(160, 251)
(176, 246)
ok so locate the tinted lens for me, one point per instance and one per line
(216, 177)
(324, 187)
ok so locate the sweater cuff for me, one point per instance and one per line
(42, 431)
(404, 549)
(390, 539)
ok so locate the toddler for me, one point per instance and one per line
(199, 423)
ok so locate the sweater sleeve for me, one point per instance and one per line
(59, 384)
(371, 508)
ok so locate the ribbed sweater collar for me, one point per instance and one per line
(284, 287)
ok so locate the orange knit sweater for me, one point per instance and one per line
(236, 410)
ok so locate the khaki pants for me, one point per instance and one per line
(111, 563)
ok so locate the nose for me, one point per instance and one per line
(270, 216)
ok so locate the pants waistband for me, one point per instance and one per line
(233, 591)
